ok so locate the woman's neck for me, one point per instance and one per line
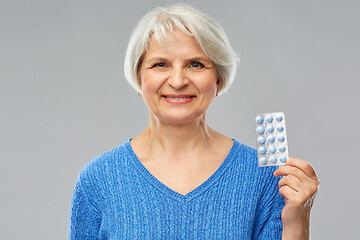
(176, 141)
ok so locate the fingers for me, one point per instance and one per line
(299, 183)
(290, 170)
(297, 167)
(302, 165)
(287, 192)
(297, 192)
(292, 182)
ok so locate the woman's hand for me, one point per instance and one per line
(298, 186)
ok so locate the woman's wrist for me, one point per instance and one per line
(296, 231)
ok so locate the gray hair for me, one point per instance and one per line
(210, 36)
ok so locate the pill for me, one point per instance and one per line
(269, 119)
(270, 129)
(263, 160)
(282, 149)
(280, 128)
(283, 159)
(262, 150)
(260, 130)
(271, 139)
(261, 140)
(259, 120)
(273, 160)
(272, 149)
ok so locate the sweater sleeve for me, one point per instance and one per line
(84, 219)
(269, 223)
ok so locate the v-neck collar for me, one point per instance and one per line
(195, 192)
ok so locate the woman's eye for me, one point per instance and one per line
(159, 65)
(196, 65)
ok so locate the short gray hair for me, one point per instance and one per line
(210, 36)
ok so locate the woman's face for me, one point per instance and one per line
(178, 81)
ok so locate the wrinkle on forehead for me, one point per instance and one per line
(175, 44)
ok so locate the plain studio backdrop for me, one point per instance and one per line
(64, 99)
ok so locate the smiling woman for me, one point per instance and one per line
(180, 179)
(159, 25)
(178, 82)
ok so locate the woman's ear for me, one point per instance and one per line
(138, 75)
(139, 79)
(218, 86)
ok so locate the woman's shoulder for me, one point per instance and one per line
(244, 151)
(246, 159)
(104, 165)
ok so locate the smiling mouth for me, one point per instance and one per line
(178, 98)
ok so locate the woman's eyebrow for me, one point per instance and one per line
(157, 59)
(190, 59)
(200, 59)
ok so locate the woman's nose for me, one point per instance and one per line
(178, 78)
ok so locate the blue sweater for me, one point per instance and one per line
(116, 197)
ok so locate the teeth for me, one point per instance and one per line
(181, 98)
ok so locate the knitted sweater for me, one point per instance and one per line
(116, 197)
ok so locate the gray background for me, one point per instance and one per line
(64, 100)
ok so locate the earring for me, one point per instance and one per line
(139, 94)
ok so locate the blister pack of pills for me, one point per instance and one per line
(271, 139)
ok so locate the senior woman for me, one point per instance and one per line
(180, 179)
